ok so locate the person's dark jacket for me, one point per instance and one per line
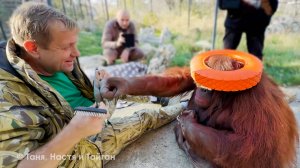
(248, 17)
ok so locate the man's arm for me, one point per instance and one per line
(107, 36)
(79, 127)
(22, 130)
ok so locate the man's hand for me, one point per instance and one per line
(62, 143)
(85, 126)
(113, 87)
(120, 40)
(101, 74)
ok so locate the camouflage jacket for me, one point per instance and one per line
(27, 121)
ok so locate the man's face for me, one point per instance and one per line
(61, 51)
(123, 20)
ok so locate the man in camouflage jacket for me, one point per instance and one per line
(37, 125)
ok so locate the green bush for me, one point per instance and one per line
(150, 19)
(184, 51)
(89, 43)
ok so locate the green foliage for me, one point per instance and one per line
(282, 58)
(150, 19)
(90, 43)
(186, 47)
(185, 50)
(284, 75)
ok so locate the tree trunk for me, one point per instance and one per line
(74, 9)
(214, 33)
(296, 6)
(170, 4)
(63, 5)
(2, 30)
(91, 10)
(180, 7)
(87, 11)
(132, 4)
(189, 12)
(119, 3)
(125, 5)
(49, 2)
(80, 8)
(106, 9)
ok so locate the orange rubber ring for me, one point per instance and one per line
(241, 79)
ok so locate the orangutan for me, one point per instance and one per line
(252, 128)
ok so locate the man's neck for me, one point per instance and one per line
(120, 28)
(36, 67)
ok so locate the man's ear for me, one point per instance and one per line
(31, 47)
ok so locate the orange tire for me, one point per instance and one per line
(244, 78)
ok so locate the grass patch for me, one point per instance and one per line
(89, 43)
(282, 58)
(184, 51)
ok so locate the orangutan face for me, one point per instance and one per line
(203, 97)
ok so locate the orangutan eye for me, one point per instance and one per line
(204, 90)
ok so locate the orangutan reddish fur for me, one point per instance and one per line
(246, 129)
(251, 128)
(260, 130)
(254, 128)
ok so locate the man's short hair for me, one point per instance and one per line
(121, 13)
(31, 21)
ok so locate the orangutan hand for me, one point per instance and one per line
(186, 118)
(113, 87)
(179, 136)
